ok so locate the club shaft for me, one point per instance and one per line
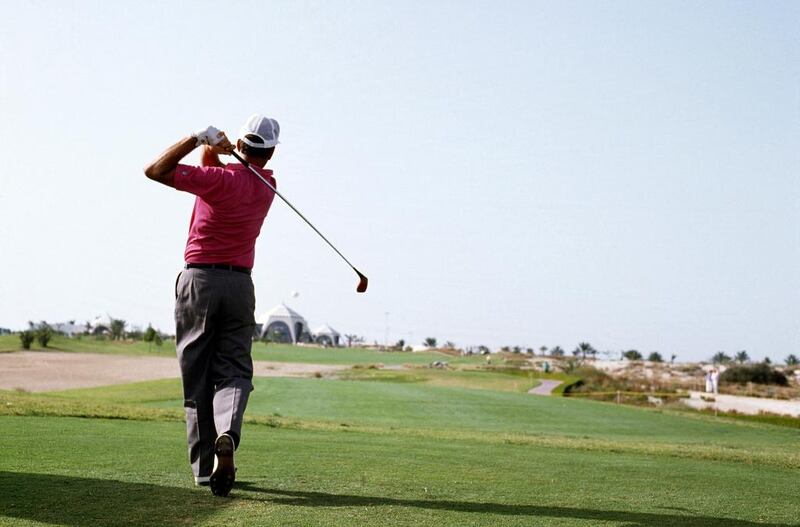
(267, 183)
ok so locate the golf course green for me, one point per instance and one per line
(261, 351)
(406, 447)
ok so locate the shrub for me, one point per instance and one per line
(755, 373)
(44, 333)
(26, 339)
(632, 355)
(149, 334)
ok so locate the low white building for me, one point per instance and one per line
(70, 328)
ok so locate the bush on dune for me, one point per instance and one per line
(755, 373)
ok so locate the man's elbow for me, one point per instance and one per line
(152, 172)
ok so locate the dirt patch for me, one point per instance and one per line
(42, 371)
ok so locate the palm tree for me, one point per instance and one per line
(672, 359)
(430, 342)
(543, 349)
(792, 360)
(351, 338)
(720, 357)
(557, 351)
(742, 357)
(584, 348)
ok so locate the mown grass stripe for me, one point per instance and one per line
(36, 405)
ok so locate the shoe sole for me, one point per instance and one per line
(221, 481)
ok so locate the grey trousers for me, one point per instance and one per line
(214, 324)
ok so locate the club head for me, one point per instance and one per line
(362, 282)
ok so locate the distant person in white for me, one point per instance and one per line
(709, 383)
(715, 380)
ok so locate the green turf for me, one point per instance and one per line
(315, 355)
(454, 378)
(261, 351)
(81, 472)
(393, 448)
(457, 412)
(89, 344)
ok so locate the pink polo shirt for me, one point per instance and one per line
(229, 210)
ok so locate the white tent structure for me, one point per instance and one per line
(100, 324)
(283, 324)
(326, 335)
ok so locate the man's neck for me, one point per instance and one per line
(260, 163)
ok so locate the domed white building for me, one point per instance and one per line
(283, 324)
(326, 336)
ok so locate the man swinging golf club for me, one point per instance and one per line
(214, 296)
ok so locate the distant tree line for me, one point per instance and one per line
(43, 333)
(742, 357)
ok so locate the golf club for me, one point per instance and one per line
(362, 280)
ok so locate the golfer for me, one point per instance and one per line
(214, 296)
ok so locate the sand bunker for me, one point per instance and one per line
(42, 371)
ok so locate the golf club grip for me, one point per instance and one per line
(267, 183)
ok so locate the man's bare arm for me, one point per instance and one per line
(162, 169)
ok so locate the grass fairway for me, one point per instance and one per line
(356, 452)
(69, 471)
(261, 351)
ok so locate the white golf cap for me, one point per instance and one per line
(264, 127)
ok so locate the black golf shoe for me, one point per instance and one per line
(224, 473)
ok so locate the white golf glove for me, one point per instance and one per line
(208, 136)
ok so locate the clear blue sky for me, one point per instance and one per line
(506, 173)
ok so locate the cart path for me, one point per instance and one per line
(545, 388)
(42, 371)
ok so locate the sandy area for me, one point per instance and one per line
(743, 405)
(41, 371)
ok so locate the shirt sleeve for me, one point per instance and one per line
(205, 182)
